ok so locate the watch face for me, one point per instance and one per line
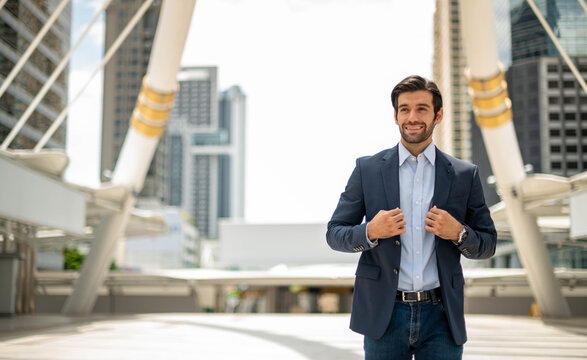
(463, 235)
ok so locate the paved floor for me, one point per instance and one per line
(256, 336)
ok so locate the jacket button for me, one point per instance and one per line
(395, 271)
(397, 242)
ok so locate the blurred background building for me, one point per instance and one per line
(205, 144)
(20, 22)
(177, 248)
(550, 108)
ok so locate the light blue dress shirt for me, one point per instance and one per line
(418, 270)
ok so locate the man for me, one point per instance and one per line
(422, 210)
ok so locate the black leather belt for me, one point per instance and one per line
(418, 296)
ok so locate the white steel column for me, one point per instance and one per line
(493, 111)
(147, 124)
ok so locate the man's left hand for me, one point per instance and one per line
(442, 224)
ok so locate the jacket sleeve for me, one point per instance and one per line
(482, 238)
(346, 230)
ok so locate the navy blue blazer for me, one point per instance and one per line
(374, 186)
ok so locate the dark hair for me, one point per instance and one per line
(417, 83)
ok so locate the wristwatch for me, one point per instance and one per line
(462, 236)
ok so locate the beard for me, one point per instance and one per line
(419, 137)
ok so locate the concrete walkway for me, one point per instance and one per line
(259, 336)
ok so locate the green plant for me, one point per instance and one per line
(73, 259)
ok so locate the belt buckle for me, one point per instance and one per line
(418, 293)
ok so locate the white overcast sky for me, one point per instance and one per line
(317, 75)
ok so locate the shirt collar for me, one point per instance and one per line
(429, 153)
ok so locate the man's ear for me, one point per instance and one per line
(439, 116)
(395, 117)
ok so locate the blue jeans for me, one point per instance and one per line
(418, 328)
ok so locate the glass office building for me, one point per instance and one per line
(550, 108)
(567, 19)
(205, 144)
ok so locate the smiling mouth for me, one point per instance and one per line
(414, 127)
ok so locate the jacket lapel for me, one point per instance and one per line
(444, 175)
(390, 175)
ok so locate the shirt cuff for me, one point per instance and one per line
(371, 243)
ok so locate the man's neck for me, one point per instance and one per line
(416, 148)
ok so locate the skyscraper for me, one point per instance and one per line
(205, 150)
(549, 106)
(453, 134)
(123, 77)
(20, 22)
(566, 18)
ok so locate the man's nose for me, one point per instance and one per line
(412, 115)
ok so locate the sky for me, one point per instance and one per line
(317, 74)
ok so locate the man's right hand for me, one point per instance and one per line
(385, 224)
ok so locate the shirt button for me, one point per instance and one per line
(417, 276)
(417, 252)
(395, 271)
(417, 228)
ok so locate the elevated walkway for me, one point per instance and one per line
(248, 336)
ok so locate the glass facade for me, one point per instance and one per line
(206, 134)
(567, 19)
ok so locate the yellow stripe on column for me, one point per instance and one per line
(156, 96)
(491, 102)
(490, 96)
(486, 84)
(495, 120)
(151, 111)
(146, 129)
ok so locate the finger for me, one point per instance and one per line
(395, 211)
(397, 225)
(398, 217)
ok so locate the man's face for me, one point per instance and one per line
(415, 117)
